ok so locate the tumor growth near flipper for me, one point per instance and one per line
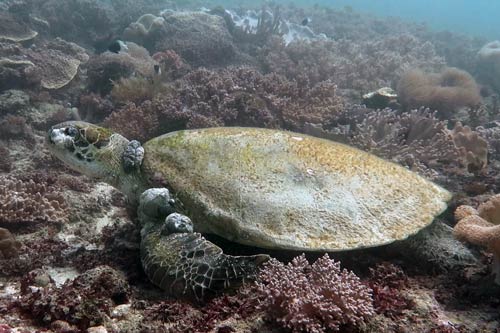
(181, 261)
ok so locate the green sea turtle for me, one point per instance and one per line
(266, 188)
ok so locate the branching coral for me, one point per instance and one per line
(313, 298)
(135, 122)
(30, 202)
(231, 97)
(416, 138)
(360, 65)
(446, 92)
(480, 227)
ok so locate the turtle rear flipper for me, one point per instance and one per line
(188, 265)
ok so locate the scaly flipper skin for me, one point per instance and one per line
(187, 265)
(183, 262)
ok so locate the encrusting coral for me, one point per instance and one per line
(313, 298)
(445, 92)
(481, 227)
(30, 202)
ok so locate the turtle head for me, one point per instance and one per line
(92, 150)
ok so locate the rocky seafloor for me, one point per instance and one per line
(69, 246)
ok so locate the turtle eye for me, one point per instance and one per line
(71, 131)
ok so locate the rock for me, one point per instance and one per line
(120, 311)
(97, 329)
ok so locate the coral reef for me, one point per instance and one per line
(144, 30)
(237, 96)
(445, 92)
(24, 202)
(109, 67)
(65, 224)
(13, 29)
(5, 159)
(94, 108)
(387, 282)
(416, 138)
(13, 101)
(199, 38)
(17, 73)
(54, 63)
(171, 64)
(9, 247)
(83, 302)
(14, 127)
(135, 122)
(480, 227)
(363, 66)
(313, 298)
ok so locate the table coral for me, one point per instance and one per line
(30, 202)
(13, 29)
(314, 298)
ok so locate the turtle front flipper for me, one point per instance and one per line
(187, 265)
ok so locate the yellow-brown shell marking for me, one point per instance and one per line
(278, 189)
